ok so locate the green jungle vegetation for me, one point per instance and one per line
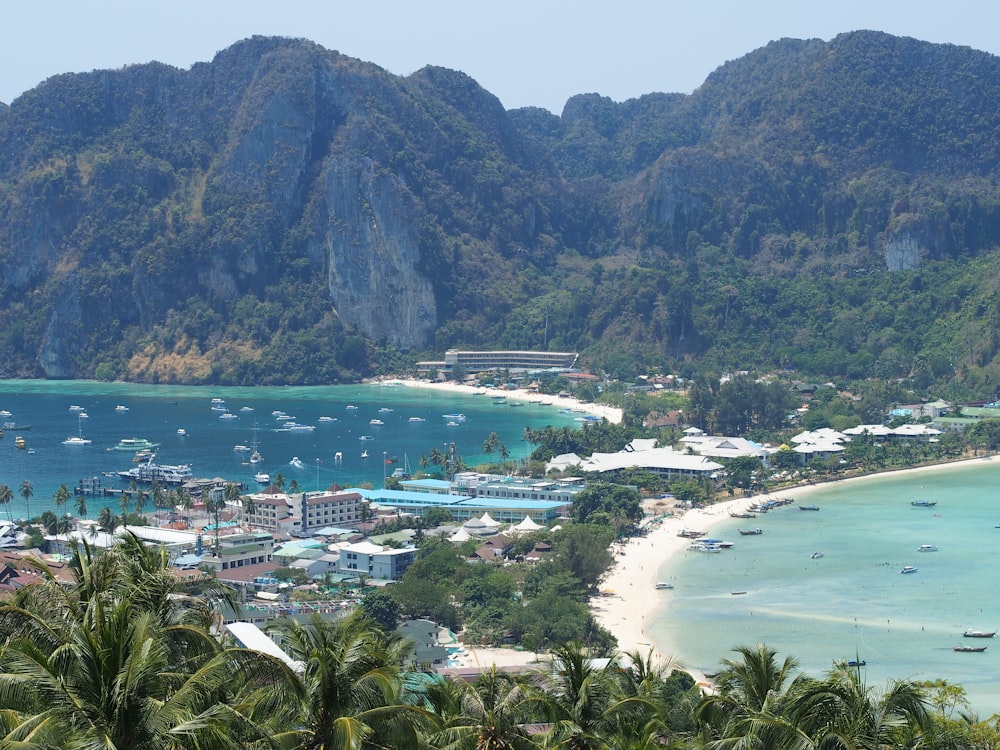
(830, 207)
(126, 657)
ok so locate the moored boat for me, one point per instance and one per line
(927, 548)
(664, 585)
(908, 569)
(150, 472)
(979, 633)
(970, 649)
(135, 444)
(808, 507)
(923, 503)
(751, 532)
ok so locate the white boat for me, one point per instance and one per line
(246, 408)
(120, 408)
(296, 427)
(351, 407)
(366, 437)
(454, 417)
(241, 448)
(262, 477)
(74, 407)
(816, 555)
(376, 422)
(150, 472)
(218, 401)
(338, 456)
(908, 569)
(417, 419)
(256, 458)
(364, 454)
(664, 585)
(181, 432)
(327, 419)
(296, 462)
(228, 415)
(77, 439)
(385, 410)
(927, 548)
(451, 424)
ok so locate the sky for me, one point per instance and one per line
(526, 52)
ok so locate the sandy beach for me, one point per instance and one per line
(610, 413)
(629, 595)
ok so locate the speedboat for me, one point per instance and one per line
(927, 548)
(296, 462)
(121, 408)
(664, 585)
(417, 419)
(385, 410)
(364, 454)
(376, 422)
(923, 503)
(181, 432)
(338, 456)
(908, 569)
(241, 448)
(816, 555)
(327, 419)
(454, 417)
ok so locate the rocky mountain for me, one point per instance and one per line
(288, 214)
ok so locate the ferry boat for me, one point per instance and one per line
(135, 444)
(262, 477)
(150, 472)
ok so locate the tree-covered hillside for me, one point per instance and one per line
(288, 214)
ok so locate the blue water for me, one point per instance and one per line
(157, 412)
(853, 602)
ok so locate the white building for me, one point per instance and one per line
(376, 561)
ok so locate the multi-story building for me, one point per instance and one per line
(376, 561)
(303, 513)
(510, 360)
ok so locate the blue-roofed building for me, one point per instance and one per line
(466, 507)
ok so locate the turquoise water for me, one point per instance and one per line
(853, 602)
(157, 412)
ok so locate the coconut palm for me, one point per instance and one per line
(62, 496)
(351, 686)
(26, 492)
(488, 714)
(112, 661)
(748, 709)
(586, 701)
(6, 495)
(842, 712)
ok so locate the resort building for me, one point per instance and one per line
(489, 361)
(302, 513)
(664, 462)
(464, 507)
(376, 561)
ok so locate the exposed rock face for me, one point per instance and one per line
(373, 253)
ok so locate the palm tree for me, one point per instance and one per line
(843, 712)
(98, 664)
(81, 505)
(293, 487)
(278, 480)
(488, 714)
(249, 506)
(749, 706)
(62, 496)
(587, 702)
(352, 691)
(26, 492)
(107, 519)
(6, 495)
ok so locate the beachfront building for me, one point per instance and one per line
(490, 361)
(664, 462)
(718, 447)
(376, 561)
(499, 487)
(464, 507)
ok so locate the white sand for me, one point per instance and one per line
(610, 413)
(630, 597)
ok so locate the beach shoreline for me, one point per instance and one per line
(629, 598)
(610, 413)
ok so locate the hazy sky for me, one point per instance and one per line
(527, 53)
